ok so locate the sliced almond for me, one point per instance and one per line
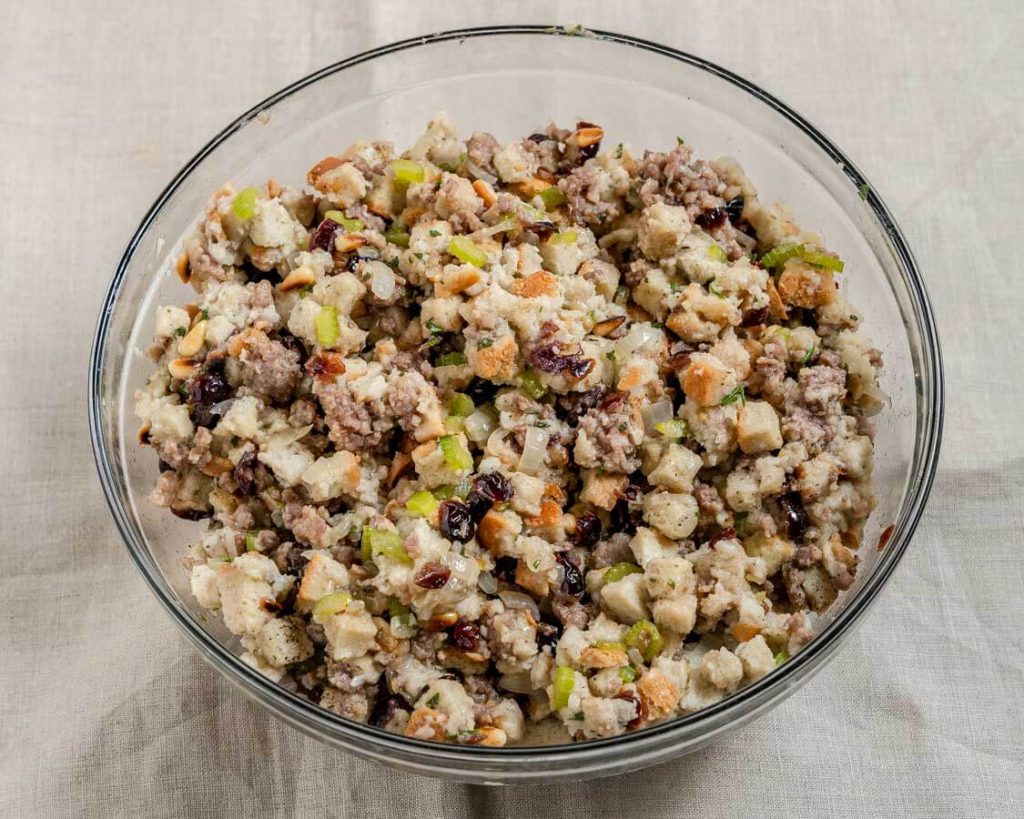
(608, 326)
(348, 242)
(300, 277)
(274, 188)
(192, 342)
(485, 192)
(183, 268)
(493, 737)
(400, 465)
(143, 434)
(439, 622)
(217, 466)
(326, 164)
(192, 310)
(591, 135)
(182, 368)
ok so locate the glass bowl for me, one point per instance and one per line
(511, 80)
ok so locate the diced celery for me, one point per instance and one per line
(627, 674)
(645, 638)
(250, 540)
(820, 259)
(455, 454)
(606, 646)
(454, 423)
(455, 359)
(565, 237)
(465, 249)
(780, 254)
(529, 382)
(675, 429)
(717, 253)
(330, 604)
(618, 571)
(781, 657)
(461, 404)
(327, 325)
(422, 504)
(397, 236)
(244, 204)
(408, 171)
(552, 197)
(351, 225)
(384, 542)
(562, 687)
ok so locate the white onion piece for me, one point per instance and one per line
(480, 173)
(382, 281)
(873, 399)
(222, 407)
(496, 443)
(479, 425)
(506, 224)
(518, 600)
(487, 583)
(656, 413)
(518, 683)
(289, 436)
(535, 449)
(639, 336)
(748, 243)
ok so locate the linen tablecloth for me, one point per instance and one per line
(104, 708)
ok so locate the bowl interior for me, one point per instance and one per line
(641, 95)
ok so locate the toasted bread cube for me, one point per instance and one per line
(662, 229)
(673, 515)
(626, 598)
(708, 380)
(658, 694)
(497, 363)
(676, 469)
(601, 489)
(323, 575)
(332, 476)
(803, 285)
(283, 642)
(350, 634)
(757, 428)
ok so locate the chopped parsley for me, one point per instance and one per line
(433, 701)
(305, 291)
(809, 355)
(680, 141)
(435, 232)
(179, 331)
(418, 255)
(484, 343)
(204, 314)
(433, 326)
(623, 426)
(610, 355)
(738, 394)
(618, 151)
(578, 716)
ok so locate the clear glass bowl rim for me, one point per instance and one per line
(303, 713)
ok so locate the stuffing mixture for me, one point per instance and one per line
(493, 434)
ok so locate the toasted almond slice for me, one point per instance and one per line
(300, 277)
(426, 723)
(274, 188)
(400, 465)
(439, 622)
(217, 466)
(493, 737)
(485, 192)
(183, 268)
(144, 434)
(529, 188)
(192, 342)
(608, 326)
(348, 242)
(182, 368)
(192, 310)
(592, 134)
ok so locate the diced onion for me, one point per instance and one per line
(872, 399)
(519, 600)
(639, 336)
(382, 281)
(535, 450)
(289, 436)
(655, 413)
(479, 425)
(518, 683)
(487, 583)
(480, 173)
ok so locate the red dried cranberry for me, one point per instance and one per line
(588, 530)
(189, 514)
(711, 219)
(725, 534)
(323, 238)
(466, 636)
(205, 390)
(456, 521)
(734, 209)
(572, 582)
(755, 317)
(487, 490)
(641, 712)
(244, 474)
(795, 515)
(612, 400)
(387, 704)
(548, 358)
(432, 575)
(577, 404)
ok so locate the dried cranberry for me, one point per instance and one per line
(588, 530)
(323, 238)
(387, 705)
(505, 568)
(612, 400)
(432, 575)
(494, 486)
(572, 583)
(725, 534)
(795, 515)
(205, 390)
(456, 521)
(755, 317)
(627, 513)
(189, 514)
(466, 636)
(589, 151)
(290, 342)
(711, 219)
(538, 138)
(244, 474)
(481, 391)
(576, 404)
(734, 209)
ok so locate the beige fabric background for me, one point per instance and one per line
(104, 709)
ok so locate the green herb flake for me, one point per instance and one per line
(435, 233)
(179, 331)
(484, 343)
(864, 190)
(680, 141)
(618, 151)
(433, 701)
(808, 356)
(738, 394)
(305, 291)
(578, 716)
(433, 327)
(204, 314)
